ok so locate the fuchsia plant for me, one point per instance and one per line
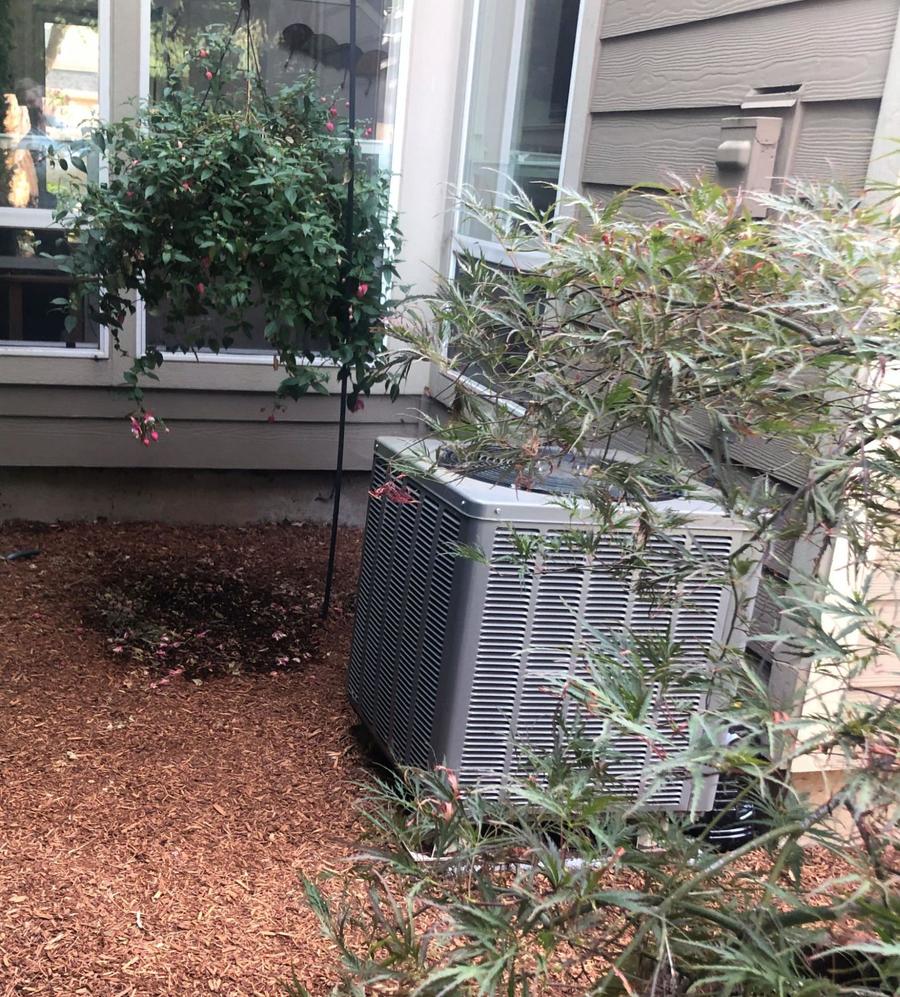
(224, 199)
(144, 428)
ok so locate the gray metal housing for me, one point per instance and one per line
(452, 659)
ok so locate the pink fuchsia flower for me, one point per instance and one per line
(203, 53)
(145, 428)
(201, 288)
(368, 133)
(206, 263)
(209, 74)
(186, 184)
(357, 405)
(329, 126)
(362, 290)
(333, 111)
(397, 493)
(271, 417)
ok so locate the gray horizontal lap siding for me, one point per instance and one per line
(669, 71)
(653, 147)
(86, 427)
(838, 50)
(626, 17)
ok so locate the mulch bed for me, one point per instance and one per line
(176, 749)
(156, 811)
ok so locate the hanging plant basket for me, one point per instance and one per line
(226, 199)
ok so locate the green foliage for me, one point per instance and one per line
(224, 199)
(681, 341)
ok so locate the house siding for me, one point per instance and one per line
(668, 72)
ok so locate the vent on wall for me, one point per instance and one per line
(454, 660)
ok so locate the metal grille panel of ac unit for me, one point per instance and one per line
(459, 663)
(402, 615)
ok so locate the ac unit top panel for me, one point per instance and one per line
(501, 503)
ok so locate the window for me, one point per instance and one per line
(291, 37)
(515, 128)
(520, 74)
(50, 89)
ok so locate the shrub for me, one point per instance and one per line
(222, 198)
(680, 339)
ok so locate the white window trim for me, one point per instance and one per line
(43, 217)
(266, 358)
(493, 252)
(573, 144)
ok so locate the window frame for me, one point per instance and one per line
(42, 218)
(583, 53)
(571, 155)
(265, 358)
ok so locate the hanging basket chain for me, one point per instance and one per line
(253, 63)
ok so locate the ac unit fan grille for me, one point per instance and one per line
(403, 605)
(532, 626)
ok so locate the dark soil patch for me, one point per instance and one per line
(202, 621)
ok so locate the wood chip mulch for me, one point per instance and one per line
(176, 748)
(156, 810)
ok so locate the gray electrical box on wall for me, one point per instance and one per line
(745, 158)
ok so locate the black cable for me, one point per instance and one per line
(344, 374)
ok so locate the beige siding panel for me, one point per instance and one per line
(636, 206)
(838, 50)
(836, 142)
(197, 406)
(650, 147)
(625, 17)
(197, 445)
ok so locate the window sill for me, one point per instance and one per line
(251, 359)
(53, 351)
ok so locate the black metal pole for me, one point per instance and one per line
(344, 374)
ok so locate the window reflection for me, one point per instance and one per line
(524, 52)
(49, 90)
(294, 37)
(29, 285)
(291, 37)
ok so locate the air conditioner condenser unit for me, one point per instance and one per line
(453, 658)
